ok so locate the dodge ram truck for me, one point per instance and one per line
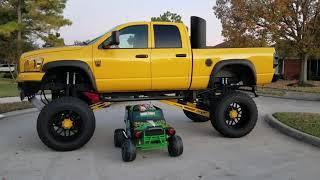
(144, 61)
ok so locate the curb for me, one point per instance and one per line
(17, 113)
(291, 98)
(273, 122)
(303, 96)
(294, 95)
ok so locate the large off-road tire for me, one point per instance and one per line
(66, 124)
(128, 151)
(195, 117)
(175, 147)
(118, 137)
(234, 115)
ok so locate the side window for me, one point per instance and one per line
(167, 36)
(132, 37)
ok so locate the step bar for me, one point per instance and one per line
(191, 107)
(156, 98)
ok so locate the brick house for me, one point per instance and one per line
(289, 68)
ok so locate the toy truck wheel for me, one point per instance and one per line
(128, 151)
(235, 115)
(195, 117)
(175, 147)
(118, 137)
(66, 124)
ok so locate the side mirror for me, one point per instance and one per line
(115, 38)
(113, 41)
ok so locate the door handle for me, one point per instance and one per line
(142, 56)
(181, 55)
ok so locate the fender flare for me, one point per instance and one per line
(72, 63)
(226, 62)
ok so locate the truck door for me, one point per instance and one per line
(125, 67)
(171, 59)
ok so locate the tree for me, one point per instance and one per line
(7, 15)
(23, 22)
(168, 17)
(44, 19)
(268, 22)
(78, 43)
(53, 40)
(81, 43)
(8, 33)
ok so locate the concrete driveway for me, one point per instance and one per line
(264, 154)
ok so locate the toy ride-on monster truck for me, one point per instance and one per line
(146, 129)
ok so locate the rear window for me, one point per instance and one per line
(167, 36)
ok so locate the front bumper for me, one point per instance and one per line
(152, 142)
(28, 88)
(29, 83)
(30, 76)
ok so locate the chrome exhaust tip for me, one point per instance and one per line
(37, 103)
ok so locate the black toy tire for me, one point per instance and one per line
(46, 124)
(128, 151)
(118, 137)
(195, 117)
(245, 123)
(175, 146)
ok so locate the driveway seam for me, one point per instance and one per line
(17, 113)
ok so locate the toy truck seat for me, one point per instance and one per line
(146, 117)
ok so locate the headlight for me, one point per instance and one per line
(33, 65)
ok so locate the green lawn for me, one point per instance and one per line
(282, 85)
(270, 92)
(8, 88)
(306, 122)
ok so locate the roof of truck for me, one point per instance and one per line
(155, 22)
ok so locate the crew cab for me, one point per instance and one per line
(152, 61)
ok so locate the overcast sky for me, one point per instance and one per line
(92, 18)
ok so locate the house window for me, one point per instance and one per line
(314, 69)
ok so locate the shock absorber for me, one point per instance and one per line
(68, 84)
(225, 81)
(74, 79)
(74, 89)
(71, 87)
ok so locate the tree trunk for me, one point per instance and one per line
(19, 33)
(11, 71)
(303, 69)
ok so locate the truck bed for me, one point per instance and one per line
(261, 58)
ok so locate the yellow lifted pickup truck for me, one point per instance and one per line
(144, 61)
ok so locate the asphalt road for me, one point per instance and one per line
(264, 154)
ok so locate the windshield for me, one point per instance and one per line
(97, 38)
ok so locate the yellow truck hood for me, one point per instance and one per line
(81, 53)
(50, 50)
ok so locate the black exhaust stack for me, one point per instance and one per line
(198, 33)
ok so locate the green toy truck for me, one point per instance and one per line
(146, 129)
